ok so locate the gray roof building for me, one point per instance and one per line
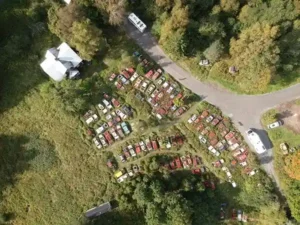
(98, 210)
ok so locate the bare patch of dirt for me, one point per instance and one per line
(289, 113)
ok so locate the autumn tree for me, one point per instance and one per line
(255, 54)
(292, 166)
(115, 10)
(166, 4)
(61, 20)
(231, 6)
(87, 39)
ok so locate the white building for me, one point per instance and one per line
(67, 1)
(60, 62)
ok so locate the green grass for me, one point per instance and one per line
(280, 135)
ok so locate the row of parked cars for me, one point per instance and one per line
(137, 148)
(124, 174)
(218, 137)
(186, 162)
(110, 136)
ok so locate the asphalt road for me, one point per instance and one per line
(243, 109)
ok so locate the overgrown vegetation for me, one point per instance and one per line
(287, 166)
(254, 36)
(49, 172)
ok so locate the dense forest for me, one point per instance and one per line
(260, 38)
(46, 165)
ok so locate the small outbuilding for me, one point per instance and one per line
(233, 70)
(99, 210)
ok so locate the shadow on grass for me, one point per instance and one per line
(14, 161)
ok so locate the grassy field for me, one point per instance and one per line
(280, 135)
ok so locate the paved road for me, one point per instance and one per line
(246, 109)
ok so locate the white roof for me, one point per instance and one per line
(59, 61)
(256, 141)
(67, 54)
(67, 1)
(54, 69)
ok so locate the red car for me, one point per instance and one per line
(137, 148)
(108, 137)
(130, 70)
(126, 74)
(115, 102)
(178, 163)
(156, 75)
(127, 154)
(149, 74)
(154, 144)
(173, 166)
(204, 114)
(189, 160)
(229, 135)
(196, 171)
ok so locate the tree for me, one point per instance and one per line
(61, 20)
(180, 17)
(212, 28)
(166, 4)
(178, 210)
(231, 6)
(214, 52)
(87, 39)
(178, 102)
(115, 10)
(255, 54)
(292, 166)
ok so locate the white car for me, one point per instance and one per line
(202, 139)
(134, 77)
(243, 164)
(144, 85)
(213, 151)
(165, 85)
(154, 93)
(107, 104)
(121, 114)
(253, 172)
(228, 174)
(122, 158)
(192, 119)
(150, 89)
(102, 140)
(89, 120)
(256, 141)
(100, 106)
(131, 150)
(173, 108)
(170, 89)
(114, 134)
(161, 80)
(143, 146)
(233, 183)
(108, 117)
(97, 143)
(274, 125)
(209, 119)
(100, 129)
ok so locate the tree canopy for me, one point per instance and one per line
(292, 166)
